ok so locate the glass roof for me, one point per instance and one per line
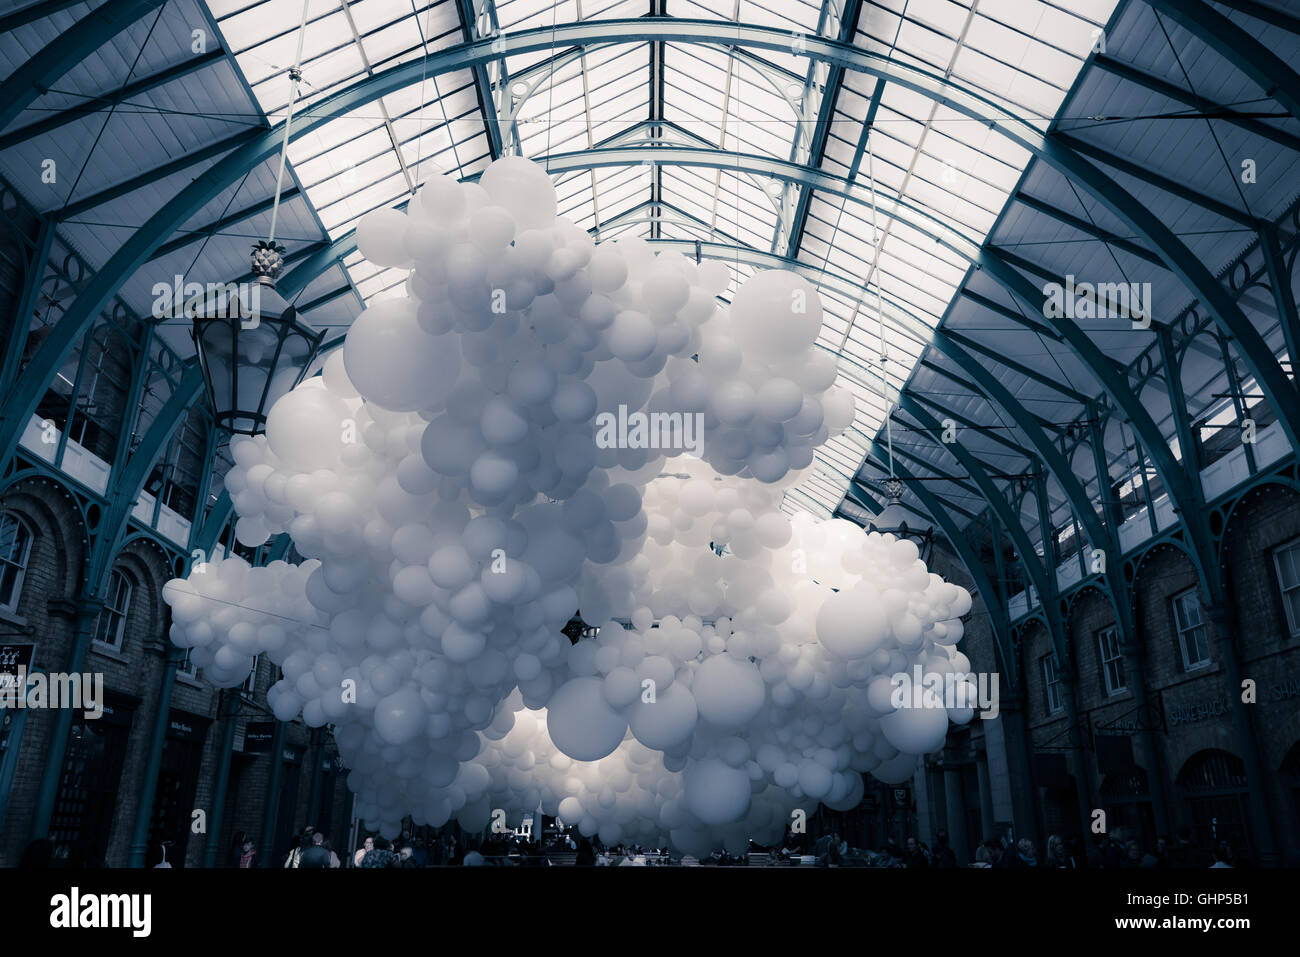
(954, 173)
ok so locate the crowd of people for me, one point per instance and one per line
(311, 848)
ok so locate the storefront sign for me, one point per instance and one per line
(1201, 711)
(15, 658)
(257, 737)
(183, 726)
(1285, 690)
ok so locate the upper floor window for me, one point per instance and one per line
(1192, 637)
(1052, 684)
(15, 549)
(186, 667)
(1112, 661)
(1286, 559)
(110, 628)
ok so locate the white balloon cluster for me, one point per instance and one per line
(444, 482)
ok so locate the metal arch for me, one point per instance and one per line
(1238, 47)
(39, 73)
(1113, 381)
(1043, 582)
(1060, 469)
(990, 595)
(264, 144)
(125, 487)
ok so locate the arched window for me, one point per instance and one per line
(110, 629)
(15, 549)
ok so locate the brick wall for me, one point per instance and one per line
(54, 573)
(1185, 701)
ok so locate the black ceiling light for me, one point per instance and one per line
(900, 521)
(251, 345)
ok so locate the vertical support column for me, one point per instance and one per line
(1064, 659)
(987, 818)
(1111, 509)
(1238, 399)
(956, 808)
(157, 741)
(230, 706)
(86, 613)
(313, 793)
(1026, 807)
(272, 802)
(1243, 726)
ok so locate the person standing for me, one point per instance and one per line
(316, 855)
(366, 846)
(913, 858)
(944, 856)
(247, 854)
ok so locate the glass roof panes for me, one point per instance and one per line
(935, 172)
(958, 173)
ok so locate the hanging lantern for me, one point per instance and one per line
(251, 345)
(900, 521)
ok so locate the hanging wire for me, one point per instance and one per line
(880, 314)
(295, 76)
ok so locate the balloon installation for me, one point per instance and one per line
(445, 481)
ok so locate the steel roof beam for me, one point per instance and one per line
(1114, 381)
(482, 84)
(1091, 229)
(97, 103)
(967, 423)
(33, 12)
(39, 74)
(1033, 375)
(821, 132)
(1164, 183)
(1265, 12)
(74, 209)
(209, 230)
(1043, 272)
(1006, 312)
(1268, 70)
(1199, 103)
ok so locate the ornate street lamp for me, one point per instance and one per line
(251, 345)
(899, 520)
